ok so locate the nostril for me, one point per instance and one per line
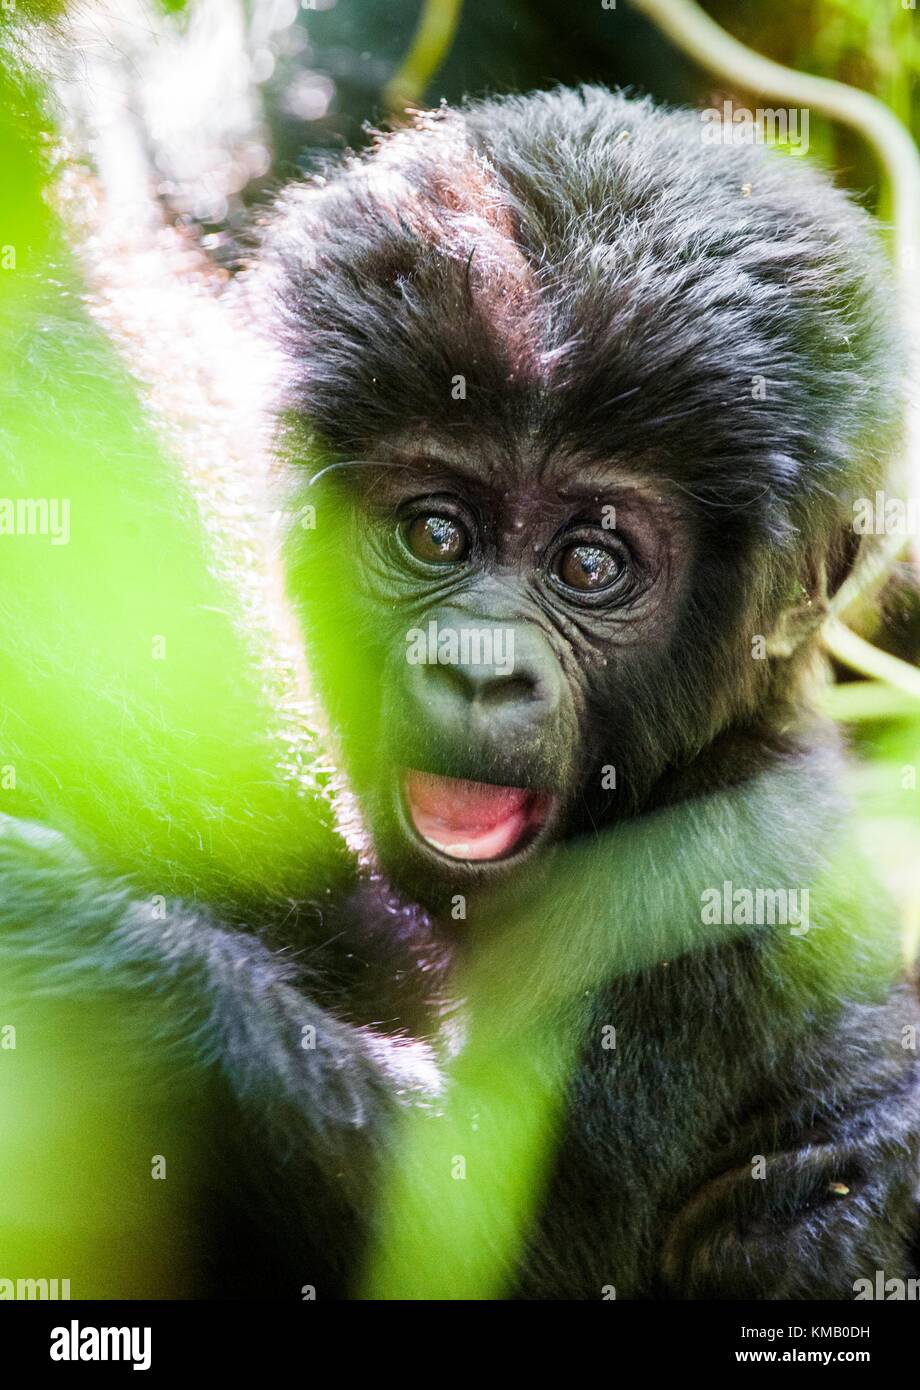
(508, 690)
(478, 686)
(448, 678)
(482, 687)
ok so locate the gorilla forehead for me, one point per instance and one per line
(601, 280)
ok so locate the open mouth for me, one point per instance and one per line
(473, 820)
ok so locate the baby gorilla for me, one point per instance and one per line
(581, 405)
(594, 393)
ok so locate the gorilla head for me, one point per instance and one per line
(581, 404)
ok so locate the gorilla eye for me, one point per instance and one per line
(437, 540)
(588, 568)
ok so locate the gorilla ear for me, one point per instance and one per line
(800, 620)
(824, 574)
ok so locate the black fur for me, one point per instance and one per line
(608, 287)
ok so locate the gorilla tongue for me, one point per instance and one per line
(470, 820)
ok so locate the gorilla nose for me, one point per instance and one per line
(502, 679)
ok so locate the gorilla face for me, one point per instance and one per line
(476, 616)
(585, 417)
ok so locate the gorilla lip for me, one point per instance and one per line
(476, 821)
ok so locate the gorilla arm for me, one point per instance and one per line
(198, 1027)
